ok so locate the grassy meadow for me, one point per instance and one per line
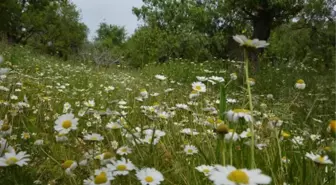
(85, 124)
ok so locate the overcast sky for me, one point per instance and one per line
(118, 12)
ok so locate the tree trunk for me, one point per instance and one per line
(261, 30)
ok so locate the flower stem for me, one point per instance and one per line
(250, 107)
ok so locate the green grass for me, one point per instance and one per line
(48, 83)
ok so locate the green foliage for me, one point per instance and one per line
(110, 35)
(53, 26)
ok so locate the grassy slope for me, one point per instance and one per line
(49, 83)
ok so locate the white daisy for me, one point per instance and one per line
(93, 137)
(217, 78)
(255, 43)
(113, 125)
(157, 133)
(251, 81)
(69, 166)
(233, 76)
(65, 123)
(121, 167)
(5, 147)
(149, 176)
(124, 150)
(198, 87)
(300, 84)
(201, 78)
(205, 169)
(229, 175)
(182, 106)
(190, 149)
(318, 158)
(189, 131)
(5, 128)
(13, 158)
(236, 114)
(160, 77)
(231, 136)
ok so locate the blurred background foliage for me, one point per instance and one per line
(194, 30)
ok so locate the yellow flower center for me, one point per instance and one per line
(124, 150)
(101, 178)
(5, 127)
(251, 79)
(190, 151)
(66, 124)
(121, 167)
(320, 159)
(193, 92)
(198, 88)
(94, 138)
(332, 126)
(206, 171)
(238, 177)
(248, 42)
(300, 81)
(11, 160)
(285, 134)
(108, 155)
(149, 179)
(67, 164)
(26, 136)
(241, 111)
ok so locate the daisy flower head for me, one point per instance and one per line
(143, 93)
(190, 149)
(5, 128)
(255, 43)
(205, 169)
(201, 78)
(217, 79)
(5, 147)
(318, 158)
(103, 176)
(233, 76)
(229, 175)
(193, 94)
(300, 84)
(121, 167)
(65, 123)
(231, 136)
(124, 150)
(105, 157)
(189, 131)
(198, 87)
(93, 137)
(236, 114)
(12, 158)
(251, 81)
(89, 103)
(69, 166)
(149, 176)
(332, 126)
(160, 77)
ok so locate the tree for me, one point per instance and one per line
(52, 23)
(110, 35)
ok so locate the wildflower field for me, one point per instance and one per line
(176, 123)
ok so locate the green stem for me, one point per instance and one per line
(223, 150)
(250, 106)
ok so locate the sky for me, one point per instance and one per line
(117, 12)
